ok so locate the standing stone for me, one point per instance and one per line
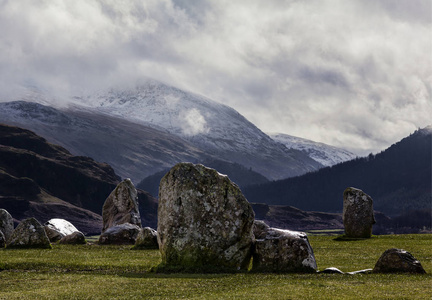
(398, 261)
(282, 251)
(123, 234)
(6, 223)
(2, 240)
(121, 206)
(56, 229)
(358, 214)
(29, 234)
(146, 239)
(204, 221)
(75, 238)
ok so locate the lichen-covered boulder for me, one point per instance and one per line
(123, 234)
(283, 251)
(146, 239)
(29, 234)
(6, 223)
(2, 240)
(75, 238)
(204, 221)
(121, 206)
(398, 261)
(56, 229)
(358, 215)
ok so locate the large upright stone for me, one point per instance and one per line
(278, 250)
(358, 215)
(121, 206)
(2, 240)
(56, 229)
(6, 223)
(204, 221)
(29, 234)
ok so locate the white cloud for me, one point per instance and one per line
(192, 122)
(350, 73)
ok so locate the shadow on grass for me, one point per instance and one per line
(344, 238)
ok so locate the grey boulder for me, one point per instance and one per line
(123, 234)
(204, 221)
(29, 234)
(398, 261)
(75, 238)
(6, 223)
(283, 251)
(358, 215)
(121, 206)
(146, 239)
(56, 229)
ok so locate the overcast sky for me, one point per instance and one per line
(354, 74)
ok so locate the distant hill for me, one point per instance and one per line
(324, 154)
(398, 179)
(43, 180)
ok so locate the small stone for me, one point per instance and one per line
(358, 215)
(123, 234)
(146, 239)
(121, 206)
(56, 229)
(332, 270)
(6, 223)
(365, 271)
(29, 234)
(283, 251)
(204, 221)
(75, 238)
(398, 261)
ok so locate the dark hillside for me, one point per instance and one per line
(242, 176)
(398, 179)
(42, 180)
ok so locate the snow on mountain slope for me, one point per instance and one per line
(213, 127)
(325, 154)
(133, 150)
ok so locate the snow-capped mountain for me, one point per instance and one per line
(213, 127)
(324, 154)
(127, 127)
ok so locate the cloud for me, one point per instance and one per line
(350, 73)
(192, 122)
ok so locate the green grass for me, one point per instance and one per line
(106, 272)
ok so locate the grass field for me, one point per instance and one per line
(107, 272)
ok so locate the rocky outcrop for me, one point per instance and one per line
(398, 261)
(56, 229)
(358, 214)
(29, 234)
(123, 234)
(204, 221)
(121, 206)
(75, 238)
(278, 250)
(6, 224)
(146, 239)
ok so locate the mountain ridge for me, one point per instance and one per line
(325, 154)
(398, 179)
